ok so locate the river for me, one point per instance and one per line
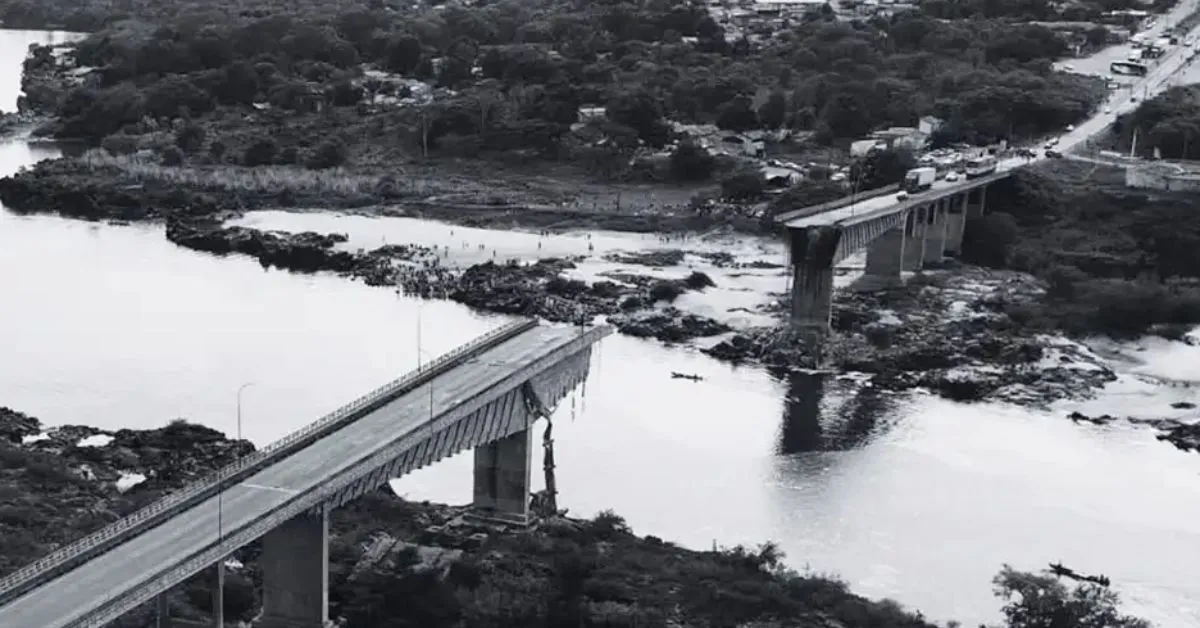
(904, 496)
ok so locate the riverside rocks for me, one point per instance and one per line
(64, 483)
(1184, 434)
(944, 333)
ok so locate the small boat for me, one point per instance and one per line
(694, 378)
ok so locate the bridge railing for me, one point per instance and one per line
(837, 203)
(64, 558)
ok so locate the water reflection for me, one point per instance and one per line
(826, 413)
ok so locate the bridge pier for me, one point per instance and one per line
(915, 226)
(811, 251)
(162, 607)
(502, 476)
(885, 260)
(956, 224)
(935, 234)
(295, 564)
(977, 210)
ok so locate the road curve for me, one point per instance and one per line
(1150, 85)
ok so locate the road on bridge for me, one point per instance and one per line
(80, 592)
(1156, 81)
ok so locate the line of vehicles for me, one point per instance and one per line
(923, 178)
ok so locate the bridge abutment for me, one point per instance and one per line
(503, 470)
(295, 564)
(812, 251)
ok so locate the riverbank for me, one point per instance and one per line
(421, 562)
(947, 330)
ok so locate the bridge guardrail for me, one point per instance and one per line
(837, 203)
(51, 565)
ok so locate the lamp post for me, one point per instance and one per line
(219, 591)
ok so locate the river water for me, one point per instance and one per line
(909, 497)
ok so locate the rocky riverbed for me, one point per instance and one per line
(1184, 434)
(946, 330)
(417, 564)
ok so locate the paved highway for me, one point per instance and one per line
(81, 591)
(1118, 103)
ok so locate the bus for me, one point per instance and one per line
(1129, 68)
(980, 166)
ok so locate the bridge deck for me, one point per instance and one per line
(80, 592)
(888, 203)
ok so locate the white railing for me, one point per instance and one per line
(18, 581)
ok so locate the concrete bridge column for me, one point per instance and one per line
(502, 475)
(812, 250)
(885, 259)
(956, 224)
(295, 564)
(915, 228)
(977, 210)
(162, 606)
(935, 234)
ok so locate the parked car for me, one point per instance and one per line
(952, 176)
(1053, 154)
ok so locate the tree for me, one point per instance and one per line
(747, 185)
(329, 154)
(773, 113)
(1040, 601)
(882, 168)
(690, 162)
(738, 115)
(641, 111)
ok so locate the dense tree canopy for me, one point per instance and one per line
(1169, 122)
(521, 70)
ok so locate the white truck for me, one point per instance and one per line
(919, 179)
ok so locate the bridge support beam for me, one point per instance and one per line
(885, 260)
(295, 564)
(502, 476)
(162, 607)
(976, 210)
(915, 227)
(935, 234)
(811, 251)
(956, 224)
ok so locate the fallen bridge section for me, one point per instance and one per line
(487, 402)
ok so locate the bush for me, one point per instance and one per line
(172, 156)
(690, 162)
(261, 153)
(119, 144)
(329, 154)
(744, 186)
(190, 138)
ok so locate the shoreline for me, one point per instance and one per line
(946, 330)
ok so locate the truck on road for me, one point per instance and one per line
(919, 179)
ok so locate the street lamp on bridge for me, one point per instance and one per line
(219, 591)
